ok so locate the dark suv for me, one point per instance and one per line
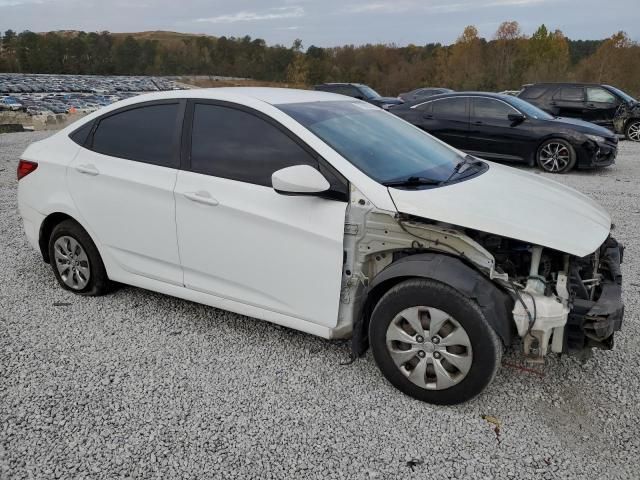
(360, 91)
(603, 105)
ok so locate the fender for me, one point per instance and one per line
(496, 305)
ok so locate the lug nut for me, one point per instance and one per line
(421, 354)
(420, 339)
(435, 340)
(436, 355)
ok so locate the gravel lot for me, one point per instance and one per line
(136, 384)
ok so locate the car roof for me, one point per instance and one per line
(563, 84)
(273, 96)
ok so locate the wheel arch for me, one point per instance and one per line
(496, 305)
(47, 226)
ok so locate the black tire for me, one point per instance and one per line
(485, 344)
(632, 131)
(98, 282)
(553, 167)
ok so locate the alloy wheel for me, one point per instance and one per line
(429, 347)
(633, 132)
(554, 157)
(72, 262)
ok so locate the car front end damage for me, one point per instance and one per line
(625, 113)
(599, 152)
(563, 303)
(550, 300)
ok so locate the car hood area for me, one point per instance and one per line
(584, 127)
(511, 203)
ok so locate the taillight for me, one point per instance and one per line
(25, 167)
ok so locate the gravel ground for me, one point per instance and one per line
(136, 384)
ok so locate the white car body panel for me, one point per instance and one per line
(249, 244)
(134, 215)
(249, 250)
(515, 204)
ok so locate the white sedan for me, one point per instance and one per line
(328, 215)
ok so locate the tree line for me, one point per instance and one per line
(506, 61)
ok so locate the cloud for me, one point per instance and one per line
(294, 11)
(422, 7)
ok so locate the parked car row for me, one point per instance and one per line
(557, 126)
(59, 103)
(31, 83)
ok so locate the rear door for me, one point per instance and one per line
(122, 184)
(568, 101)
(601, 106)
(449, 120)
(242, 241)
(492, 134)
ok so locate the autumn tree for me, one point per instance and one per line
(547, 56)
(465, 62)
(505, 54)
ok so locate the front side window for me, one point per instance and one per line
(571, 94)
(490, 109)
(378, 143)
(146, 134)
(600, 95)
(238, 145)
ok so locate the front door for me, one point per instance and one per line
(238, 238)
(491, 133)
(601, 106)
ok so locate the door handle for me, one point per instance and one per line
(88, 170)
(202, 197)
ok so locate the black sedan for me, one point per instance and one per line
(506, 128)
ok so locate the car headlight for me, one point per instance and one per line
(595, 138)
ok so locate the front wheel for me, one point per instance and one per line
(556, 156)
(633, 131)
(433, 343)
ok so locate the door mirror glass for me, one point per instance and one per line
(299, 180)
(516, 117)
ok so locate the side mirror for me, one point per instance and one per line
(299, 180)
(516, 118)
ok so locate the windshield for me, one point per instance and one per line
(380, 144)
(528, 109)
(368, 92)
(625, 96)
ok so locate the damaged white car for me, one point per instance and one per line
(328, 215)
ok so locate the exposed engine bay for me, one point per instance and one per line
(554, 301)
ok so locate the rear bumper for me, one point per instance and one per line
(593, 322)
(31, 220)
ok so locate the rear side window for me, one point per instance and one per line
(81, 135)
(600, 95)
(146, 134)
(238, 145)
(533, 92)
(572, 94)
(450, 107)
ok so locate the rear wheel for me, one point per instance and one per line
(75, 260)
(633, 131)
(433, 343)
(556, 156)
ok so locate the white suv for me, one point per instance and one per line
(326, 214)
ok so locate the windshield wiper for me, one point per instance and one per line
(412, 182)
(461, 167)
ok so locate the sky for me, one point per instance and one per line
(326, 23)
